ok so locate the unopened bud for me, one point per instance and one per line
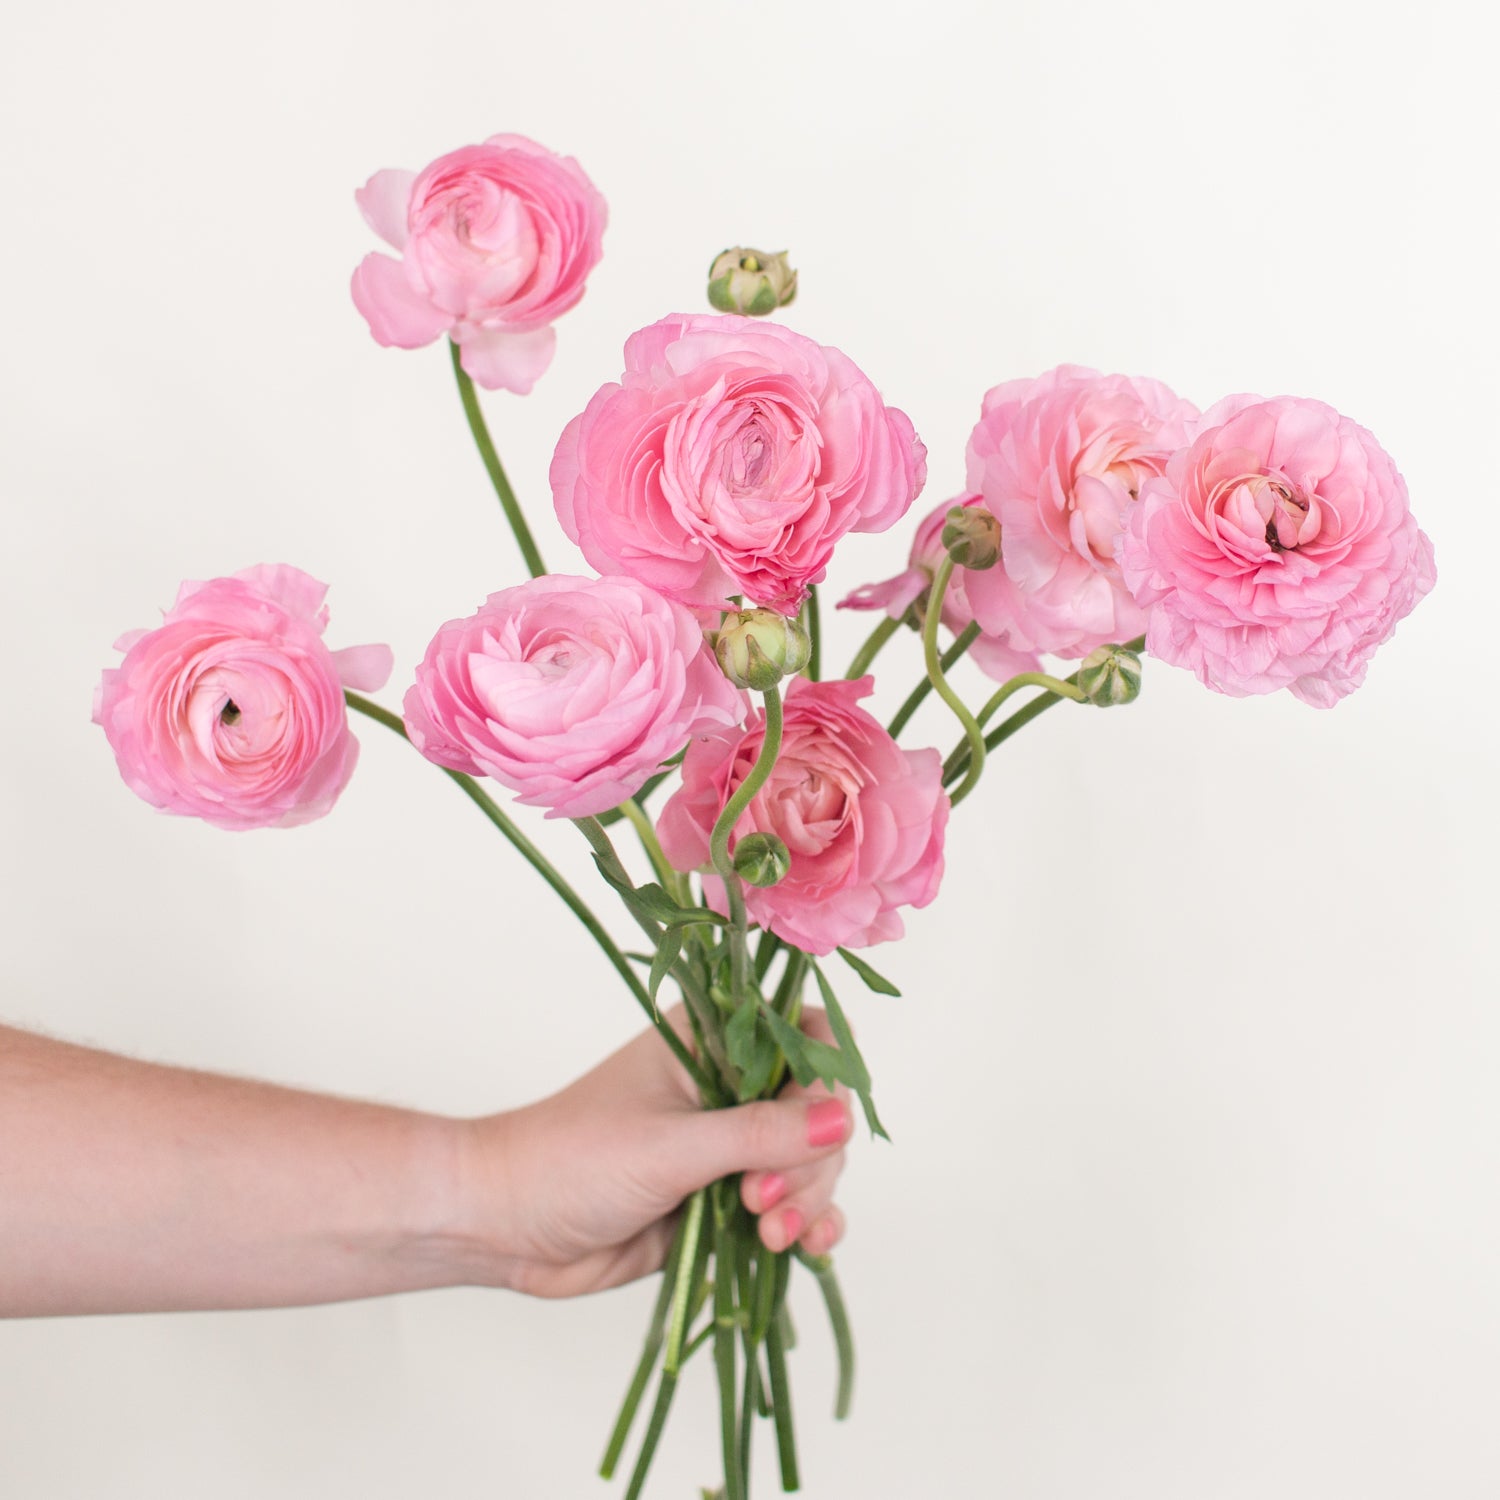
(761, 859)
(1110, 675)
(971, 537)
(751, 281)
(757, 648)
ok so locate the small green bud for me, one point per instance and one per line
(1110, 675)
(758, 647)
(971, 537)
(751, 282)
(761, 859)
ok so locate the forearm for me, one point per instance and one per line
(126, 1186)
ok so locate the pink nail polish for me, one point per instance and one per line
(772, 1190)
(791, 1223)
(827, 1122)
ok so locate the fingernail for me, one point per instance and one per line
(791, 1223)
(827, 1122)
(772, 1190)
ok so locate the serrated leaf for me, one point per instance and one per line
(875, 980)
(668, 947)
(843, 1034)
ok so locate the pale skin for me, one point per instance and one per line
(131, 1187)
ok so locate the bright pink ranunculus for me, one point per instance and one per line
(1060, 461)
(1000, 654)
(1276, 551)
(862, 819)
(496, 241)
(569, 691)
(232, 710)
(731, 457)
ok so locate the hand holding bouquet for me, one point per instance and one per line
(1262, 544)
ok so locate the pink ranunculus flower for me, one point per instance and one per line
(730, 458)
(1276, 551)
(862, 818)
(569, 691)
(1000, 654)
(496, 241)
(232, 710)
(1060, 461)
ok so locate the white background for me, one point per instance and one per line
(1193, 1089)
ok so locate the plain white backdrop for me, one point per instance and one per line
(1193, 1088)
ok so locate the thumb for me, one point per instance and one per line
(769, 1135)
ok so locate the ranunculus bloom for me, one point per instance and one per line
(862, 819)
(1276, 551)
(731, 457)
(569, 691)
(1060, 461)
(496, 241)
(232, 710)
(1000, 654)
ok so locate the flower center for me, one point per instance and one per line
(1288, 511)
(230, 713)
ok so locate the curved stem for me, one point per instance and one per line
(919, 693)
(1054, 685)
(482, 440)
(822, 1267)
(744, 793)
(972, 731)
(1022, 717)
(864, 658)
(570, 898)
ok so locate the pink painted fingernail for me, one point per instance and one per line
(772, 1190)
(791, 1223)
(827, 1122)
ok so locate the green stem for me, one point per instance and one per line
(673, 882)
(725, 1342)
(570, 898)
(864, 658)
(1056, 686)
(781, 1391)
(813, 624)
(935, 675)
(1023, 716)
(744, 793)
(655, 1333)
(482, 440)
(647, 787)
(822, 1268)
(919, 693)
(664, 1394)
(683, 1293)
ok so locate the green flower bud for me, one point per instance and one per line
(761, 859)
(757, 648)
(1110, 675)
(971, 537)
(751, 281)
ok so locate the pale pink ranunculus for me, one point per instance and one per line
(862, 819)
(569, 691)
(496, 242)
(730, 458)
(1060, 461)
(1000, 654)
(1276, 551)
(232, 710)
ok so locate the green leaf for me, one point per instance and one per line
(844, 1036)
(874, 980)
(667, 949)
(739, 1034)
(650, 900)
(810, 1060)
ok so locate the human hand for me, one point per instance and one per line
(577, 1192)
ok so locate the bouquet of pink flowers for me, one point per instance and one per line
(1262, 544)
